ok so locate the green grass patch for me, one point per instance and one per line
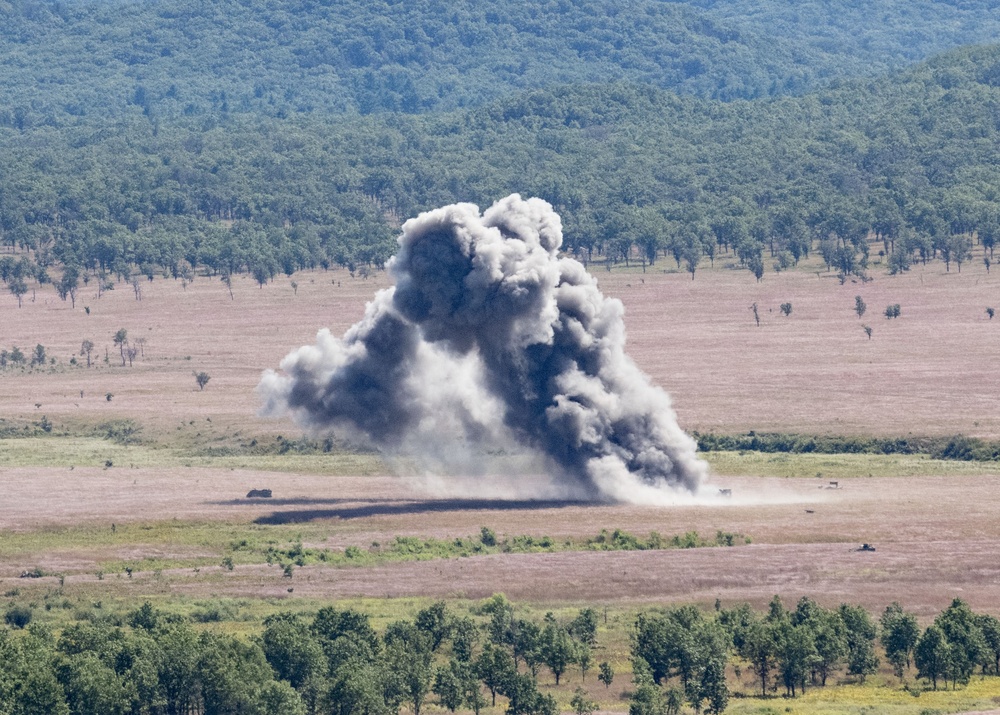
(957, 447)
(124, 449)
(411, 548)
(877, 697)
(141, 548)
(841, 466)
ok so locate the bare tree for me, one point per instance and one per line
(121, 340)
(87, 347)
(202, 379)
(756, 314)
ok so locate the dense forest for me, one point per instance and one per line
(180, 138)
(149, 662)
(67, 61)
(876, 171)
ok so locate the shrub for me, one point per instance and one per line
(488, 536)
(18, 616)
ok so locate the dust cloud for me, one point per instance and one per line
(493, 366)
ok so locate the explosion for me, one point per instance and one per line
(490, 344)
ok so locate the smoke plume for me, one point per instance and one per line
(490, 346)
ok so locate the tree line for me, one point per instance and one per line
(336, 662)
(870, 175)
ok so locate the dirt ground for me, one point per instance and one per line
(935, 541)
(931, 371)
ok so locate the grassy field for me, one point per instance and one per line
(125, 484)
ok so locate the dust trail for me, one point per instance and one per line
(492, 356)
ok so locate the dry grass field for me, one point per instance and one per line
(176, 496)
(930, 371)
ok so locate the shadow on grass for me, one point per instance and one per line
(397, 508)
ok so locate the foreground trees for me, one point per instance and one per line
(335, 662)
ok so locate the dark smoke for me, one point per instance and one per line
(488, 342)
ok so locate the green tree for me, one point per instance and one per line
(435, 622)
(231, 674)
(495, 667)
(713, 689)
(448, 685)
(121, 340)
(69, 283)
(583, 658)
(178, 674)
(830, 641)
(39, 693)
(408, 657)
(17, 288)
(523, 697)
(859, 305)
(860, 632)
(279, 698)
(932, 655)
(291, 649)
(581, 704)
(584, 626)
(760, 649)
(345, 636)
(92, 688)
(965, 640)
(606, 674)
(795, 653)
(899, 636)
(989, 626)
(556, 649)
(464, 638)
(647, 700)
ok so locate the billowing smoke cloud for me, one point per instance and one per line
(490, 342)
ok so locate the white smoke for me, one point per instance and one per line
(489, 342)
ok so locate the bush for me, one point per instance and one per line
(18, 616)
(488, 536)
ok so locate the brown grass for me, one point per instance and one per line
(929, 372)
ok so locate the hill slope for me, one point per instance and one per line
(911, 158)
(66, 62)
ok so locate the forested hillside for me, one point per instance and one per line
(85, 60)
(634, 170)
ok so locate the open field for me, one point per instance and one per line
(926, 372)
(173, 485)
(935, 541)
(194, 454)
